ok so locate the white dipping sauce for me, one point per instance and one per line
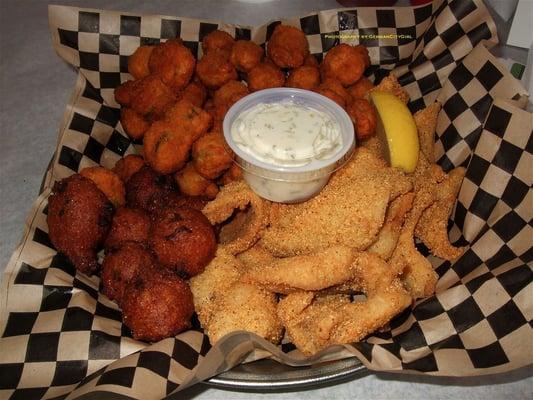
(287, 134)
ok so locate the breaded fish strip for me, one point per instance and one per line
(316, 271)
(432, 228)
(248, 308)
(240, 234)
(219, 275)
(390, 232)
(255, 257)
(349, 211)
(313, 322)
(224, 304)
(417, 272)
(374, 145)
(426, 121)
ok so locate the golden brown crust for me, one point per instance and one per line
(191, 183)
(349, 211)
(224, 304)
(133, 123)
(210, 155)
(182, 239)
(390, 232)
(166, 147)
(304, 77)
(148, 96)
(173, 62)
(79, 217)
(288, 47)
(314, 322)
(245, 55)
(241, 234)
(230, 93)
(344, 63)
(108, 182)
(128, 225)
(332, 85)
(311, 272)
(432, 228)
(195, 93)
(360, 88)
(364, 118)
(157, 305)
(218, 41)
(426, 121)
(265, 76)
(214, 70)
(191, 121)
(127, 166)
(138, 62)
(121, 266)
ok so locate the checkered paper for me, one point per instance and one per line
(61, 338)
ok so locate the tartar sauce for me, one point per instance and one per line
(287, 134)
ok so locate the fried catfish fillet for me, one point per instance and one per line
(426, 121)
(314, 321)
(417, 272)
(390, 232)
(432, 227)
(349, 211)
(255, 257)
(224, 304)
(433, 223)
(250, 216)
(315, 271)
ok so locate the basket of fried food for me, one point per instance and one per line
(182, 233)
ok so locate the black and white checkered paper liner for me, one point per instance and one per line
(62, 338)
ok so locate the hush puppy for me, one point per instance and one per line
(123, 264)
(183, 240)
(157, 305)
(79, 217)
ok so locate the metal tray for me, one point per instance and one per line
(269, 375)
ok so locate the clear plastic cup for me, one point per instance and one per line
(290, 184)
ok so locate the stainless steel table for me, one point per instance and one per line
(35, 86)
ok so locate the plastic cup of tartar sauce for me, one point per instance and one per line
(288, 141)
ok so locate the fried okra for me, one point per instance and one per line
(288, 46)
(138, 62)
(218, 41)
(214, 70)
(344, 63)
(173, 62)
(108, 182)
(191, 183)
(265, 76)
(127, 166)
(210, 156)
(245, 55)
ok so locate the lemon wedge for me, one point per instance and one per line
(397, 131)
